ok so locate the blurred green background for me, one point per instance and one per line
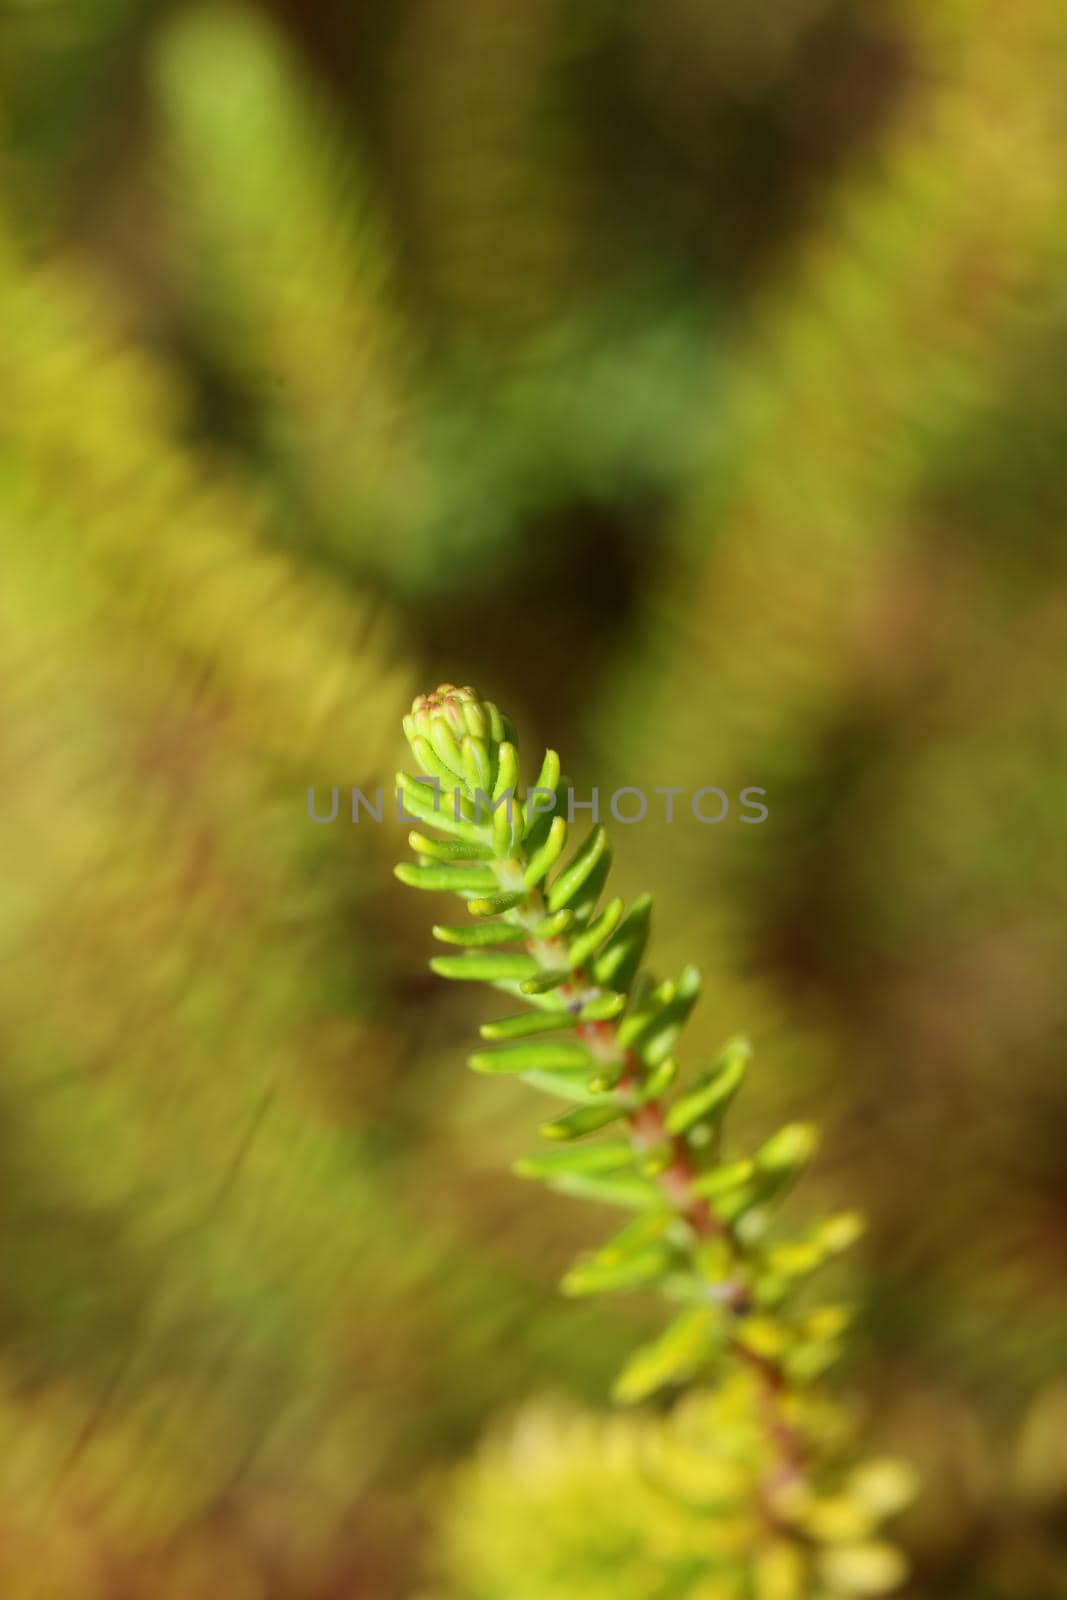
(689, 377)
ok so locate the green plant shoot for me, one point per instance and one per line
(594, 1029)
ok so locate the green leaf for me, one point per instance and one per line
(607, 1078)
(547, 854)
(584, 945)
(656, 1038)
(779, 1571)
(883, 1486)
(492, 967)
(476, 768)
(494, 905)
(449, 849)
(783, 1157)
(587, 1119)
(505, 822)
(539, 1055)
(832, 1519)
(659, 1080)
(603, 1009)
(647, 1002)
(863, 1570)
(574, 875)
(794, 1259)
(616, 965)
(536, 823)
(544, 980)
(710, 1096)
(479, 723)
(602, 1172)
(480, 933)
(456, 880)
(584, 902)
(595, 1275)
(637, 1234)
(507, 778)
(763, 1335)
(554, 1017)
(448, 751)
(548, 777)
(610, 1155)
(811, 1359)
(608, 1188)
(676, 1356)
(565, 1084)
(436, 810)
(776, 1165)
(725, 1179)
(839, 1232)
(827, 1322)
(527, 1022)
(499, 723)
(432, 764)
(636, 1255)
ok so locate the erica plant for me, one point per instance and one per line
(792, 1515)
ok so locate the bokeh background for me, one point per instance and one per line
(690, 377)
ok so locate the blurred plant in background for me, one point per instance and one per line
(691, 374)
